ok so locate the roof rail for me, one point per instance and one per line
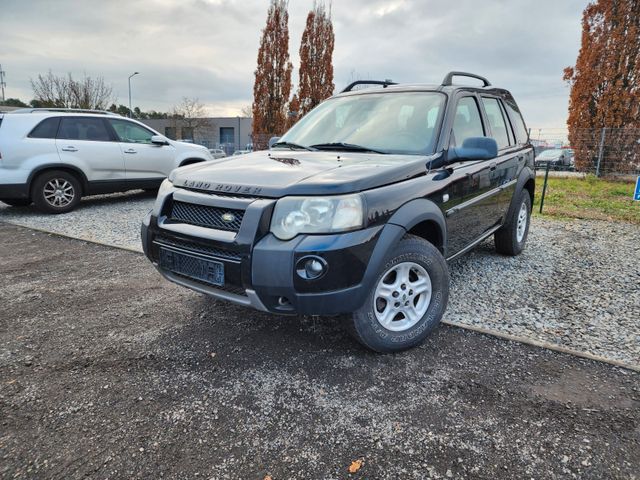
(448, 79)
(67, 110)
(384, 83)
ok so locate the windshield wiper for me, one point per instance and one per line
(350, 147)
(293, 146)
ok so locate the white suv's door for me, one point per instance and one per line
(142, 158)
(87, 143)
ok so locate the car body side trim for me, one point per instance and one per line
(479, 198)
(475, 242)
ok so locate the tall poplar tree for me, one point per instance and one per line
(272, 85)
(316, 59)
(605, 82)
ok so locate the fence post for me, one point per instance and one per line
(601, 151)
(544, 187)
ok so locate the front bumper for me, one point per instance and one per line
(260, 270)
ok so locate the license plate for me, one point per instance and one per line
(191, 266)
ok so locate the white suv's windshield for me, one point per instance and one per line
(398, 122)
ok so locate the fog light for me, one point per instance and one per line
(311, 267)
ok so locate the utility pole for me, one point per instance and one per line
(2, 82)
(132, 75)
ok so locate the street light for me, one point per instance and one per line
(132, 75)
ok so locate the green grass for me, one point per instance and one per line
(589, 197)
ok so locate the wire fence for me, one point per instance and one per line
(603, 152)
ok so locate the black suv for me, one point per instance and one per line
(355, 210)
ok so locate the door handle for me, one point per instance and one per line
(492, 166)
(131, 150)
(69, 149)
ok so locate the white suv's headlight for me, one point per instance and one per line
(294, 215)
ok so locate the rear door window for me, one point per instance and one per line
(467, 122)
(497, 121)
(84, 128)
(46, 128)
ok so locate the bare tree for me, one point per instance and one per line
(247, 111)
(66, 92)
(191, 116)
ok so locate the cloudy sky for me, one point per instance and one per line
(207, 48)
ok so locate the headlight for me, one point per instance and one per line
(294, 215)
(163, 191)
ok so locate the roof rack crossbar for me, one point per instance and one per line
(384, 83)
(448, 79)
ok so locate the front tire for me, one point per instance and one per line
(56, 192)
(511, 238)
(409, 298)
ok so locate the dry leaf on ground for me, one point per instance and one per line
(356, 465)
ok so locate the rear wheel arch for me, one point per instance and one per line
(76, 172)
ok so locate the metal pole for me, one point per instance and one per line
(600, 153)
(132, 75)
(544, 187)
(239, 134)
(2, 82)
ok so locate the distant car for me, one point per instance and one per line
(217, 153)
(52, 157)
(558, 159)
(241, 152)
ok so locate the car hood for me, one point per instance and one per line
(279, 173)
(190, 147)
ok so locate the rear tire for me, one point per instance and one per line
(511, 238)
(56, 191)
(408, 300)
(16, 202)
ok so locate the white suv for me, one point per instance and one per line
(52, 157)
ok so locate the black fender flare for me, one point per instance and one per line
(421, 210)
(525, 175)
(404, 219)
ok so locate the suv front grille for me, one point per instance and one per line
(198, 248)
(206, 216)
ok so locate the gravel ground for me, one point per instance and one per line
(107, 371)
(575, 286)
(112, 219)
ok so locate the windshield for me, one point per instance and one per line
(550, 154)
(398, 122)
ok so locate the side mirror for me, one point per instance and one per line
(159, 140)
(273, 140)
(475, 148)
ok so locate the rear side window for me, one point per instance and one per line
(467, 122)
(497, 121)
(46, 128)
(522, 135)
(84, 128)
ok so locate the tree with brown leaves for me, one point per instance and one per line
(605, 82)
(272, 85)
(316, 59)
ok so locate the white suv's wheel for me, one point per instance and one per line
(56, 192)
(408, 301)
